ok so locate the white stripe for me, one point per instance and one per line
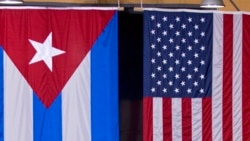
(217, 77)
(176, 119)
(18, 112)
(237, 78)
(195, 11)
(76, 116)
(157, 119)
(197, 119)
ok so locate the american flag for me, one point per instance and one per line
(194, 87)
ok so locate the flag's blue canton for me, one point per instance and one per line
(178, 54)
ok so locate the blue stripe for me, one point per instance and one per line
(1, 95)
(47, 122)
(104, 85)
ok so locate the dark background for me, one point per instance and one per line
(130, 43)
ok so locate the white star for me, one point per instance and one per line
(182, 83)
(202, 34)
(158, 82)
(177, 33)
(171, 26)
(202, 48)
(152, 17)
(190, 33)
(201, 90)
(170, 83)
(158, 54)
(45, 51)
(170, 54)
(164, 47)
(164, 33)
(159, 68)
(153, 75)
(177, 76)
(170, 69)
(202, 20)
(177, 47)
(189, 76)
(171, 40)
(164, 61)
(158, 25)
(183, 40)
(196, 27)
(164, 18)
(177, 19)
(195, 69)
(152, 31)
(183, 26)
(164, 75)
(196, 55)
(152, 90)
(202, 76)
(177, 62)
(158, 39)
(183, 69)
(176, 90)
(164, 90)
(202, 62)
(152, 60)
(189, 48)
(183, 54)
(195, 83)
(196, 41)
(189, 19)
(153, 46)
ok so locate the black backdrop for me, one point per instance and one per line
(130, 44)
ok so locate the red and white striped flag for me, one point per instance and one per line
(196, 76)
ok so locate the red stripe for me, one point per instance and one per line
(167, 119)
(246, 79)
(147, 119)
(207, 119)
(186, 119)
(227, 77)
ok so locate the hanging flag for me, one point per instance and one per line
(196, 82)
(58, 75)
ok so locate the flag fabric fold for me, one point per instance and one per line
(59, 74)
(196, 84)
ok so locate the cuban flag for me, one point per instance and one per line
(58, 72)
